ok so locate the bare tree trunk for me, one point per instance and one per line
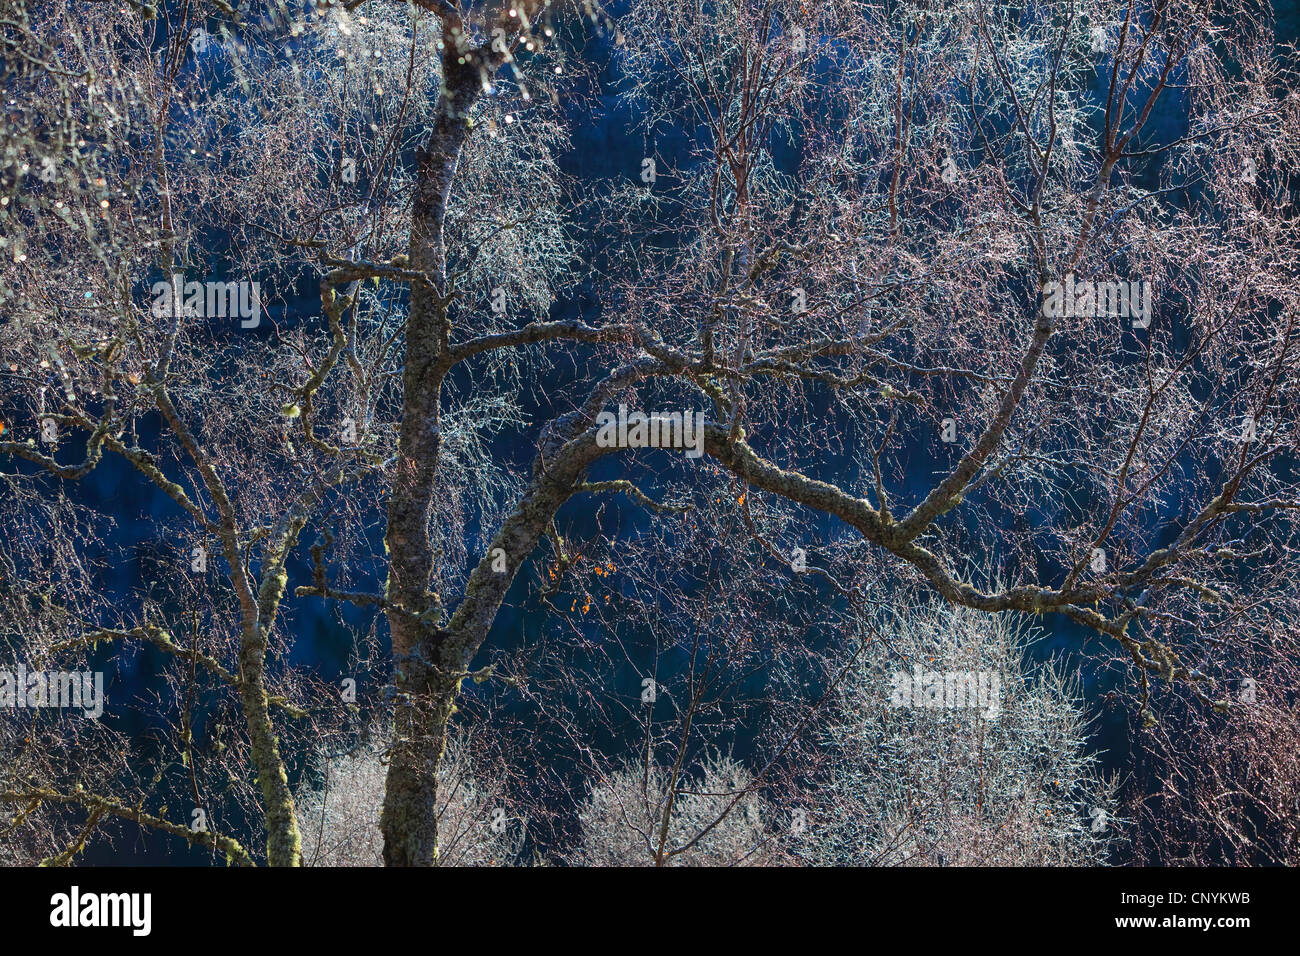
(283, 842)
(424, 706)
(425, 690)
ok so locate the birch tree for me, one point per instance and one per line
(943, 291)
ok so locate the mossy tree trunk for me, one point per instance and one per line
(425, 689)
